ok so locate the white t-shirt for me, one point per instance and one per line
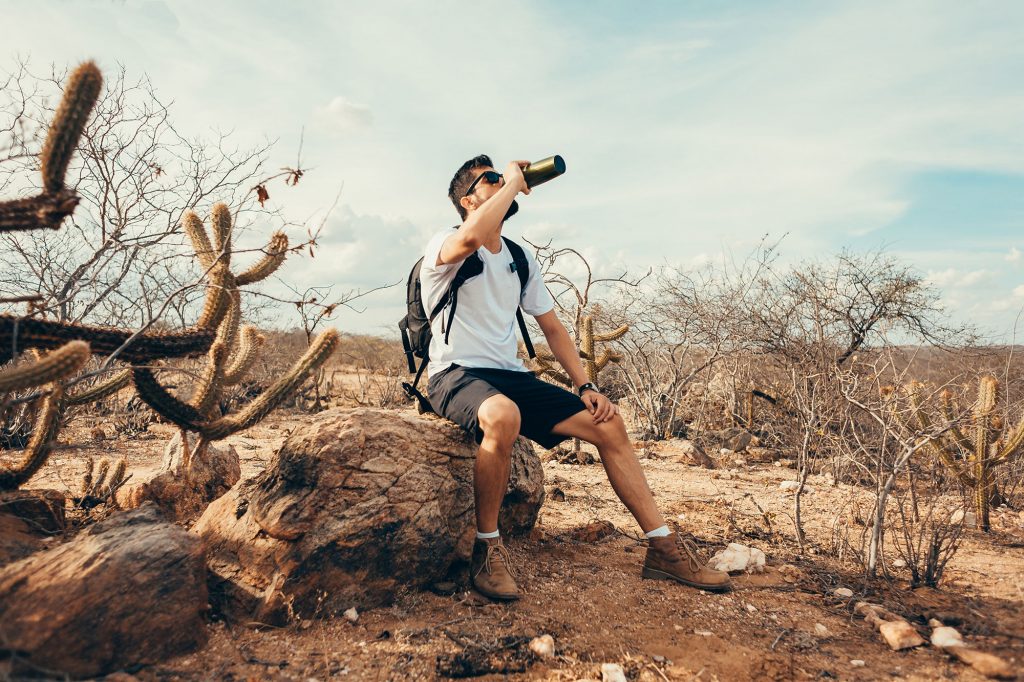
(483, 333)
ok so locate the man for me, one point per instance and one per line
(477, 381)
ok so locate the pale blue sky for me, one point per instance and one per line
(689, 128)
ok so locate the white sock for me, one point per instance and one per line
(659, 532)
(487, 536)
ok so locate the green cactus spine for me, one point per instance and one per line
(972, 460)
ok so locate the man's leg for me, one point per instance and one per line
(668, 557)
(620, 463)
(499, 420)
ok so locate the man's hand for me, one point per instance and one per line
(514, 175)
(599, 406)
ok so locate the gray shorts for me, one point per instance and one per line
(456, 394)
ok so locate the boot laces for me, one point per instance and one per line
(689, 549)
(499, 554)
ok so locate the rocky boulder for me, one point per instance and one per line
(354, 506)
(182, 491)
(128, 591)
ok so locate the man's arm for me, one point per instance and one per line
(484, 224)
(568, 357)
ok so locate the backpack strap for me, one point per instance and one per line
(522, 268)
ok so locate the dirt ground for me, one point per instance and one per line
(586, 591)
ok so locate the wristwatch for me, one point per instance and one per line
(589, 386)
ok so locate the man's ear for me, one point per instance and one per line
(468, 203)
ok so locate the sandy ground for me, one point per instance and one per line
(587, 593)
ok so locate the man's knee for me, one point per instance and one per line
(499, 418)
(611, 434)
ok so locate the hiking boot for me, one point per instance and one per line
(675, 558)
(489, 570)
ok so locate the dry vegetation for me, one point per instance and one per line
(857, 436)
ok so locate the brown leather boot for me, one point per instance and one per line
(490, 572)
(675, 558)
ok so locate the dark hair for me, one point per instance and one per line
(464, 178)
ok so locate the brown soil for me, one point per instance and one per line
(587, 593)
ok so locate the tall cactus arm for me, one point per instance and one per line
(275, 253)
(196, 231)
(37, 451)
(318, 353)
(949, 412)
(545, 368)
(44, 210)
(938, 448)
(1010, 446)
(163, 403)
(101, 390)
(54, 366)
(988, 388)
(80, 95)
(218, 297)
(612, 335)
(248, 349)
(17, 333)
(207, 391)
(220, 223)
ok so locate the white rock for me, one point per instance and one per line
(737, 557)
(820, 630)
(945, 636)
(543, 646)
(703, 633)
(899, 563)
(969, 519)
(740, 462)
(751, 608)
(899, 635)
(857, 663)
(352, 615)
(792, 486)
(726, 451)
(844, 592)
(681, 517)
(612, 672)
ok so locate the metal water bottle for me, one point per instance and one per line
(541, 171)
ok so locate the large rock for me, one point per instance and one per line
(130, 590)
(354, 506)
(183, 491)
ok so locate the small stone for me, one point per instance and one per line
(543, 646)
(844, 592)
(944, 636)
(703, 633)
(821, 630)
(681, 517)
(751, 608)
(787, 486)
(857, 663)
(777, 463)
(736, 557)
(678, 628)
(725, 452)
(899, 635)
(985, 663)
(658, 658)
(305, 624)
(740, 462)
(612, 672)
(351, 615)
(899, 563)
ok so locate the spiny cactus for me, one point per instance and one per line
(591, 362)
(44, 431)
(235, 347)
(55, 366)
(972, 460)
(17, 333)
(97, 486)
(56, 202)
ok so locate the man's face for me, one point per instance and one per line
(485, 185)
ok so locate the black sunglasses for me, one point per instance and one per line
(490, 177)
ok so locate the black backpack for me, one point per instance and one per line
(415, 326)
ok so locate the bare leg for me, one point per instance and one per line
(499, 420)
(620, 463)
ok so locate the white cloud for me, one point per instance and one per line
(341, 115)
(1013, 256)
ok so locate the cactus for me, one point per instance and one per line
(591, 362)
(37, 451)
(56, 202)
(972, 460)
(55, 366)
(97, 487)
(235, 348)
(16, 333)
